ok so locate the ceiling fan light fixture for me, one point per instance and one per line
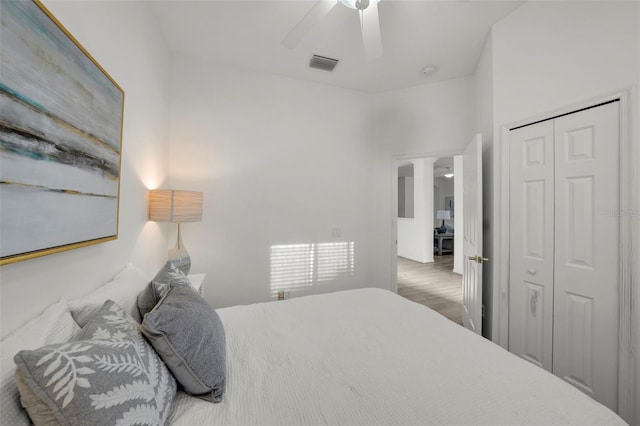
(448, 174)
(359, 4)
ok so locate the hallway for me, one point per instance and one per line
(433, 285)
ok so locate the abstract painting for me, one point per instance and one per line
(60, 138)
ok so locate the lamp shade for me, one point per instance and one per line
(168, 205)
(443, 214)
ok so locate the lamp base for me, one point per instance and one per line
(179, 256)
(442, 229)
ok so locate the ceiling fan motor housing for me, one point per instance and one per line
(362, 4)
(358, 4)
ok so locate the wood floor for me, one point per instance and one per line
(433, 285)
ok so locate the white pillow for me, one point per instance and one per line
(54, 325)
(122, 289)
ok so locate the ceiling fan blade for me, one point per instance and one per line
(370, 23)
(310, 20)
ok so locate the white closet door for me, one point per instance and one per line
(531, 243)
(586, 272)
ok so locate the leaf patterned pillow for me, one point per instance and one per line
(159, 286)
(109, 376)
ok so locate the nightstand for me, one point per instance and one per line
(439, 238)
(197, 281)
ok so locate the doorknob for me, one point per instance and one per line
(478, 259)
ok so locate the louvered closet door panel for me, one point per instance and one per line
(586, 253)
(531, 243)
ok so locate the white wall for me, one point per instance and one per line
(635, 253)
(406, 196)
(280, 161)
(548, 55)
(433, 120)
(541, 63)
(415, 236)
(423, 120)
(133, 53)
(458, 239)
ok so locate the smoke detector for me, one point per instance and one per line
(428, 70)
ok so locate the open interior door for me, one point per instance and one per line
(472, 231)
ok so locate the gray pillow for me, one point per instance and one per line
(158, 287)
(109, 375)
(189, 336)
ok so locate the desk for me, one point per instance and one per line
(441, 237)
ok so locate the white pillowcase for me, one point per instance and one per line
(54, 325)
(122, 289)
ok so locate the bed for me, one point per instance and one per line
(370, 357)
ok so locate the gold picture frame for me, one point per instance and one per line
(61, 120)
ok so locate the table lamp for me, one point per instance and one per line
(168, 205)
(444, 215)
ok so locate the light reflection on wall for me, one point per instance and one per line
(298, 266)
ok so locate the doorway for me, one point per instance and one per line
(426, 225)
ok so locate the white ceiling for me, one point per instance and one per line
(449, 34)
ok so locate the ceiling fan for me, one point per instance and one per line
(369, 23)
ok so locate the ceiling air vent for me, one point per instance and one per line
(323, 63)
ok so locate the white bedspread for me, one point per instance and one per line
(370, 357)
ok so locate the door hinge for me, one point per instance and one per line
(483, 311)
